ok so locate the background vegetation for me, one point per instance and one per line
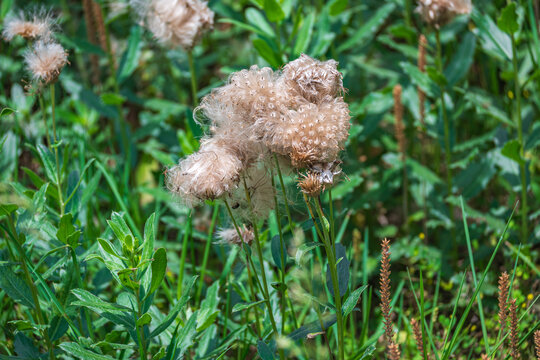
(98, 261)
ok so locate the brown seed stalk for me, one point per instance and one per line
(392, 349)
(418, 337)
(91, 32)
(514, 335)
(422, 45)
(503, 296)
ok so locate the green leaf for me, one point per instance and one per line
(267, 53)
(352, 300)
(304, 249)
(512, 151)
(90, 300)
(6, 209)
(145, 319)
(342, 271)
(257, 19)
(421, 79)
(15, 287)
(264, 351)
(80, 352)
(244, 306)
(130, 59)
(112, 99)
(493, 39)
(346, 187)
(48, 162)
(65, 228)
(313, 327)
(369, 29)
(208, 311)
(149, 237)
(173, 313)
(5, 7)
(119, 227)
(338, 6)
(462, 59)
(304, 35)
(277, 251)
(273, 10)
(6, 111)
(507, 22)
(159, 267)
(186, 335)
(109, 248)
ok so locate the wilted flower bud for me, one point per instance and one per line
(310, 184)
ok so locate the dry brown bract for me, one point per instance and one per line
(310, 184)
(45, 61)
(440, 12)
(38, 24)
(175, 22)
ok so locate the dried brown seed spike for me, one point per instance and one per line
(514, 331)
(503, 296)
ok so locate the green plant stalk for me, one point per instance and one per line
(264, 289)
(447, 151)
(81, 285)
(31, 285)
(140, 329)
(519, 124)
(331, 255)
(55, 138)
(250, 276)
(187, 233)
(193, 74)
(282, 184)
(44, 115)
(207, 251)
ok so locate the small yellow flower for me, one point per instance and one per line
(530, 297)
(422, 236)
(524, 305)
(473, 328)
(510, 94)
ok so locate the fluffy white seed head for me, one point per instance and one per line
(231, 235)
(208, 174)
(175, 22)
(45, 61)
(440, 12)
(37, 24)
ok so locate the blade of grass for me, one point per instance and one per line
(473, 269)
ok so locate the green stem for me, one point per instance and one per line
(140, 329)
(250, 276)
(519, 121)
(187, 233)
(447, 150)
(330, 254)
(207, 252)
(44, 115)
(193, 74)
(55, 138)
(265, 289)
(282, 184)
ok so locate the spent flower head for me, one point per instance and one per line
(45, 60)
(440, 12)
(175, 22)
(231, 236)
(36, 24)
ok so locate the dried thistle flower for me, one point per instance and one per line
(37, 24)
(310, 184)
(321, 129)
(418, 337)
(208, 174)
(261, 194)
(175, 22)
(312, 79)
(45, 61)
(503, 296)
(440, 12)
(231, 235)
(514, 331)
(537, 343)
